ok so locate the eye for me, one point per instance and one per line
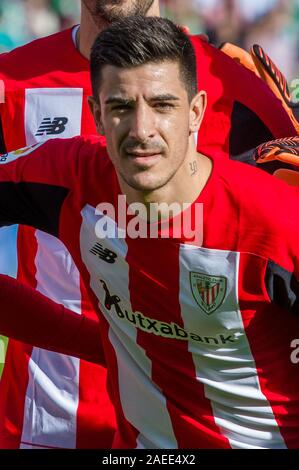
(121, 107)
(163, 105)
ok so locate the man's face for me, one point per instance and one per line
(147, 119)
(113, 10)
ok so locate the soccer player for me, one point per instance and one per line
(196, 335)
(48, 400)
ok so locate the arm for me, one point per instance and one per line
(57, 329)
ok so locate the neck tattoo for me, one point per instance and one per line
(193, 167)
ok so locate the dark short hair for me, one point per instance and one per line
(138, 40)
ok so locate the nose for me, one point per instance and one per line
(142, 125)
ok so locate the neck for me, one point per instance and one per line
(89, 29)
(183, 189)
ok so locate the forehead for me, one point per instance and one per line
(148, 79)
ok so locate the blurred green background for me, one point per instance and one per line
(274, 24)
(3, 343)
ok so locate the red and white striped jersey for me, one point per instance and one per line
(50, 400)
(197, 338)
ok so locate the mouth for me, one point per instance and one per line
(141, 154)
(144, 157)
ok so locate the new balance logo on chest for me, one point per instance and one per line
(103, 253)
(52, 127)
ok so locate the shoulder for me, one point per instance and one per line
(256, 188)
(234, 78)
(267, 210)
(221, 65)
(86, 154)
(29, 60)
(90, 148)
(34, 48)
(84, 146)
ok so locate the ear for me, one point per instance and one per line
(95, 109)
(197, 110)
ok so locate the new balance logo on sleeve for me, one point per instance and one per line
(48, 127)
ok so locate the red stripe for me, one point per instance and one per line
(202, 293)
(95, 416)
(270, 334)
(156, 295)
(214, 293)
(13, 386)
(13, 114)
(206, 296)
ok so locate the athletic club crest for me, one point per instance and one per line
(208, 291)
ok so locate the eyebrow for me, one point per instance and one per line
(120, 100)
(165, 97)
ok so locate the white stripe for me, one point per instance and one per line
(228, 371)
(143, 404)
(49, 103)
(52, 395)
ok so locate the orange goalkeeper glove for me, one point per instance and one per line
(285, 150)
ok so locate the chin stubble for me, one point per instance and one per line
(116, 11)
